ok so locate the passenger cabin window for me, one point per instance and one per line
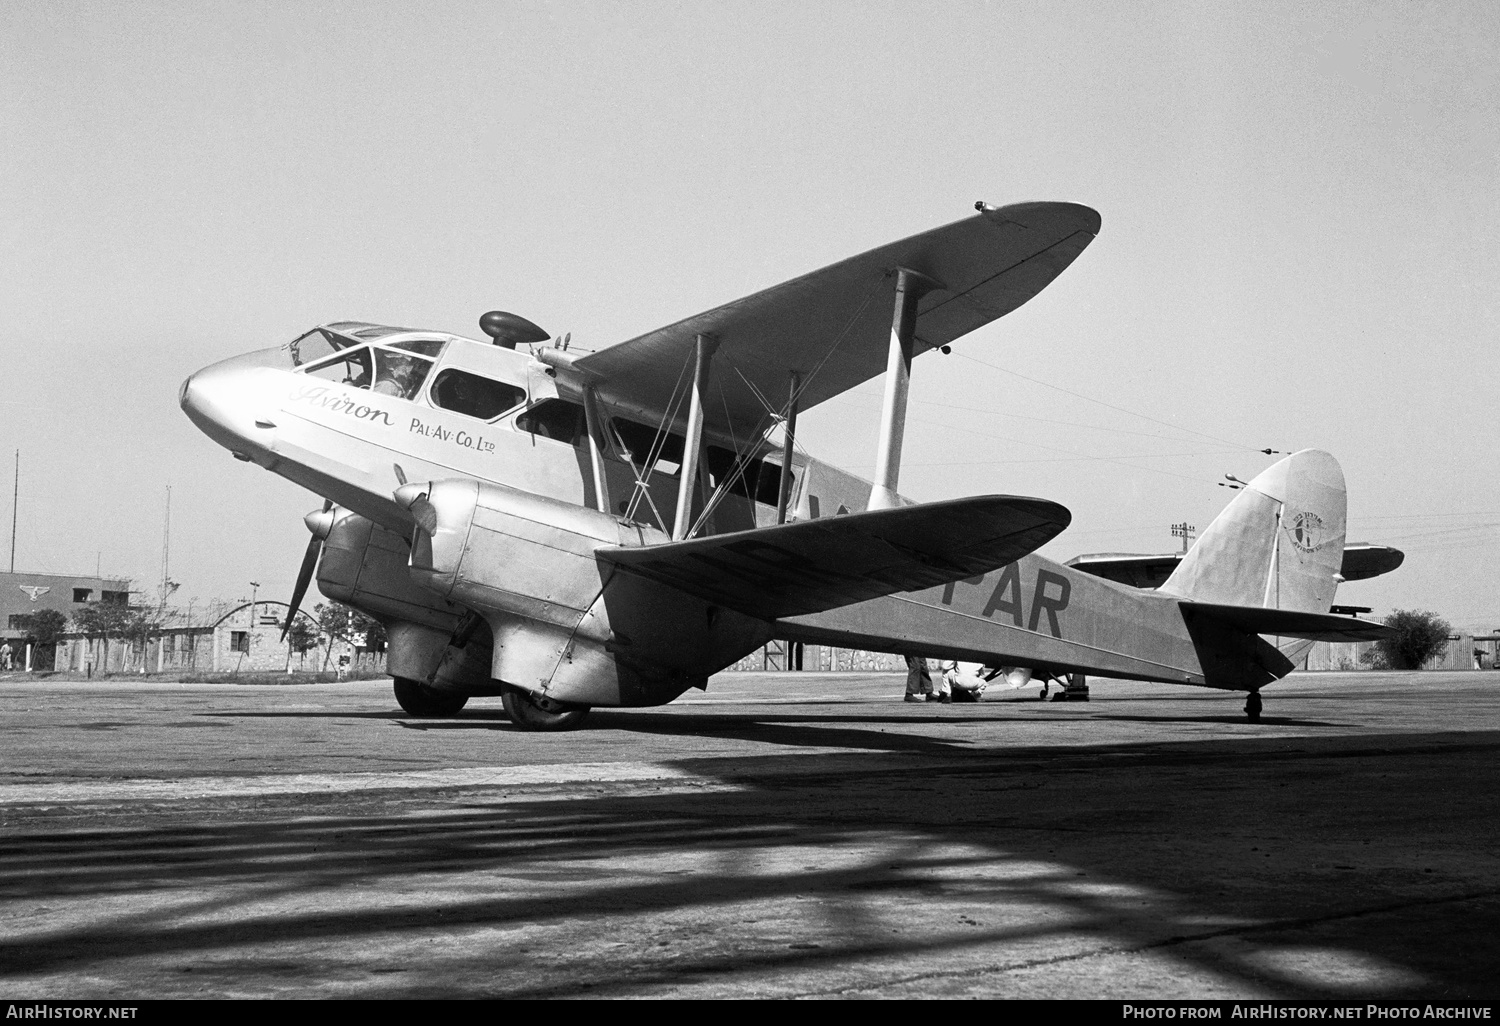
(474, 396)
(752, 478)
(557, 419)
(643, 442)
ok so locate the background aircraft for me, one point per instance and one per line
(611, 529)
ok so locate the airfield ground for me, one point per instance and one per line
(782, 835)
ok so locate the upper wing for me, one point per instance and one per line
(811, 565)
(1361, 560)
(833, 326)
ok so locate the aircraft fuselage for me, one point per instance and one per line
(499, 443)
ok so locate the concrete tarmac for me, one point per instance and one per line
(782, 835)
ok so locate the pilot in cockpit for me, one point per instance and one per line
(399, 375)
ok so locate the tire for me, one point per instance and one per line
(420, 700)
(529, 711)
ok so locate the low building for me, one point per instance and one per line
(243, 639)
(22, 595)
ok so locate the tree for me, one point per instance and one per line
(43, 628)
(342, 623)
(101, 620)
(302, 636)
(1419, 637)
(141, 625)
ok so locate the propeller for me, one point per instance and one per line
(414, 498)
(319, 524)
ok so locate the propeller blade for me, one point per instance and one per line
(414, 498)
(425, 513)
(304, 576)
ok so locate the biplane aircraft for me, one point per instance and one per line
(568, 530)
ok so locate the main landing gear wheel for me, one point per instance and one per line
(420, 700)
(530, 711)
(1252, 706)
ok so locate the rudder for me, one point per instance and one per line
(1278, 545)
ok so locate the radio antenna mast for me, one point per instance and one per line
(14, 500)
(166, 545)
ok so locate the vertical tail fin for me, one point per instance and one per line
(1278, 545)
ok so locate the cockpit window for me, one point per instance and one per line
(352, 368)
(373, 331)
(381, 370)
(473, 395)
(316, 345)
(425, 347)
(398, 374)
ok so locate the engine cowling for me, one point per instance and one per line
(565, 623)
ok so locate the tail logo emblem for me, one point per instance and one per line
(1307, 532)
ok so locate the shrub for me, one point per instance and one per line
(1419, 636)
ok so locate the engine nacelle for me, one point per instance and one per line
(565, 623)
(365, 566)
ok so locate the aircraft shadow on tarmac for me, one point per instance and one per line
(1297, 875)
(794, 730)
(790, 730)
(656, 721)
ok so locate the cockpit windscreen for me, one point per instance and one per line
(398, 371)
(316, 345)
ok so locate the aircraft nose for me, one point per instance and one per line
(228, 402)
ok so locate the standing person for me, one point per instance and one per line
(918, 679)
(942, 690)
(7, 657)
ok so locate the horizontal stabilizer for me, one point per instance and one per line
(812, 565)
(1362, 561)
(1288, 623)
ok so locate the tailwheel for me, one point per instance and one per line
(1252, 706)
(530, 711)
(420, 700)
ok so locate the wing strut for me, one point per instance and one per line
(694, 441)
(595, 419)
(910, 287)
(789, 429)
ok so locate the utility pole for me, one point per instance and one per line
(166, 547)
(1186, 532)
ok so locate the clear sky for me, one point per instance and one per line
(1301, 240)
